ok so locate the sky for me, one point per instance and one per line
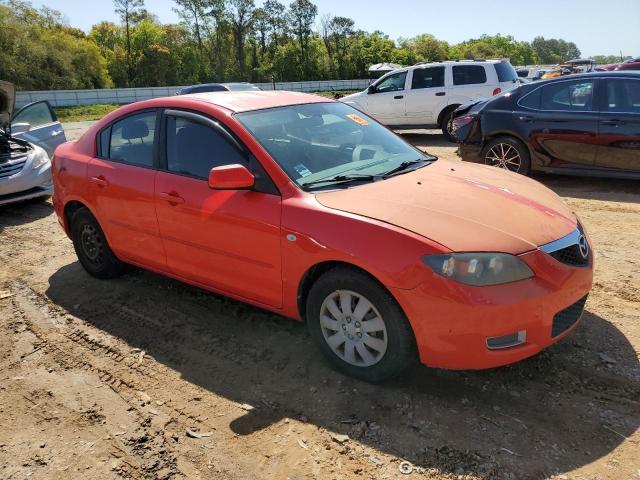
(598, 27)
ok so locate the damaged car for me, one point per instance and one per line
(28, 138)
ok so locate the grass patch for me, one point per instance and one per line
(84, 113)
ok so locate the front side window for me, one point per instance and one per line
(427, 78)
(469, 75)
(623, 95)
(35, 115)
(322, 140)
(567, 96)
(132, 139)
(392, 83)
(193, 149)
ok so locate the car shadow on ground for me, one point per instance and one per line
(569, 406)
(19, 213)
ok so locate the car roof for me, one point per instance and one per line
(576, 76)
(247, 100)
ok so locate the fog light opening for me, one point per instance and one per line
(507, 341)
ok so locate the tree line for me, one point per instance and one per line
(223, 40)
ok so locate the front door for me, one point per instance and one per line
(121, 182)
(620, 125)
(37, 123)
(427, 96)
(228, 240)
(386, 100)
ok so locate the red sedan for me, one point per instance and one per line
(309, 208)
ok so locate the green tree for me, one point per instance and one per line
(129, 11)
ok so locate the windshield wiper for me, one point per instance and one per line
(404, 166)
(341, 179)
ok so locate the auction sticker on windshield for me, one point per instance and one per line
(358, 119)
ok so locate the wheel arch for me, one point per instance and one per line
(317, 270)
(508, 133)
(445, 111)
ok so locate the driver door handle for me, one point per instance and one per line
(441, 94)
(172, 197)
(398, 97)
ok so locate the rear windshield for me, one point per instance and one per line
(506, 73)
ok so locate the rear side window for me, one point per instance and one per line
(132, 139)
(427, 78)
(623, 95)
(193, 149)
(532, 100)
(506, 73)
(567, 96)
(469, 75)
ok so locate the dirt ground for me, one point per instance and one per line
(147, 378)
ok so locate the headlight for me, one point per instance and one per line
(479, 269)
(40, 158)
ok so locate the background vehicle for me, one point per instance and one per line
(630, 64)
(28, 138)
(581, 125)
(311, 209)
(425, 95)
(217, 87)
(571, 67)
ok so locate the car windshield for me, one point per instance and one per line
(317, 141)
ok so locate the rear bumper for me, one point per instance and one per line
(453, 322)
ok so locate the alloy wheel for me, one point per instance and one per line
(504, 155)
(353, 328)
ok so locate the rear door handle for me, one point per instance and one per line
(99, 180)
(441, 94)
(613, 122)
(398, 97)
(527, 118)
(172, 197)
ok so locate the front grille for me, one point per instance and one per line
(565, 319)
(11, 168)
(571, 255)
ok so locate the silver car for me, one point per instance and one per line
(28, 138)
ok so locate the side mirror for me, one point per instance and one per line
(231, 177)
(372, 89)
(21, 127)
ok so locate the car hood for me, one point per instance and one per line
(7, 100)
(465, 207)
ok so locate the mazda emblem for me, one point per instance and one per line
(584, 246)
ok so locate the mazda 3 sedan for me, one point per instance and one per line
(309, 208)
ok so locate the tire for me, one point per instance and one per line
(387, 348)
(499, 151)
(445, 123)
(92, 248)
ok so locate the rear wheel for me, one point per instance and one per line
(507, 153)
(446, 123)
(359, 326)
(92, 248)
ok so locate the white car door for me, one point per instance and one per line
(386, 99)
(468, 83)
(427, 96)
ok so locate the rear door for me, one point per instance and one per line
(121, 180)
(562, 123)
(620, 125)
(41, 124)
(228, 240)
(468, 83)
(427, 96)
(386, 103)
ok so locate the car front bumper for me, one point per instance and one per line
(453, 323)
(28, 183)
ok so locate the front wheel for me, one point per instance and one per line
(359, 326)
(507, 153)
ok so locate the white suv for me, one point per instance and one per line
(425, 95)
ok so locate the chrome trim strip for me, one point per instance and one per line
(564, 242)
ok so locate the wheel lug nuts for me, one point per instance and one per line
(357, 324)
(359, 335)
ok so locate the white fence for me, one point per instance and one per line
(66, 98)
